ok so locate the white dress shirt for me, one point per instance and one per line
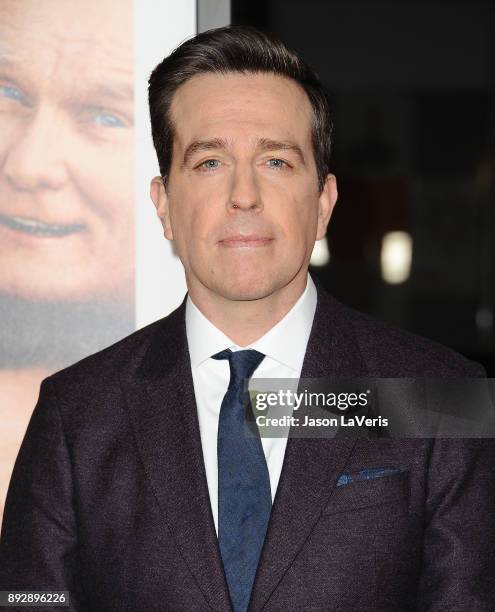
(284, 346)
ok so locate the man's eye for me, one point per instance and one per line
(210, 164)
(277, 163)
(8, 91)
(108, 120)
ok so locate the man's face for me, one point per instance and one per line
(242, 202)
(66, 150)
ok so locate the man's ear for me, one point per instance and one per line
(326, 203)
(159, 196)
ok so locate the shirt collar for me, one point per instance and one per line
(285, 342)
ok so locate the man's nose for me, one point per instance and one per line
(245, 194)
(36, 158)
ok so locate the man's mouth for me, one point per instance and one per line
(39, 228)
(243, 241)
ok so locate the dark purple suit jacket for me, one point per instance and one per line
(109, 497)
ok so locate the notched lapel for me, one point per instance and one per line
(163, 412)
(311, 466)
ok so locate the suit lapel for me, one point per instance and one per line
(311, 466)
(163, 412)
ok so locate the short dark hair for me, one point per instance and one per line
(234, 49)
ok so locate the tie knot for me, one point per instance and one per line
(242, 363)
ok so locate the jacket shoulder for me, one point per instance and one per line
(105, 365)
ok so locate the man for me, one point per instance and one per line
(66, 195)
(135, 488)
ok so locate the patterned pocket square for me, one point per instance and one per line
(367, 474)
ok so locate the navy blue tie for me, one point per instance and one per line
(244, 496)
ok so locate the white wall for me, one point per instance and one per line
(159, 26)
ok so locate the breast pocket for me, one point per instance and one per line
(368, 493)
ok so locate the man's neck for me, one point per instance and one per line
(245, 321)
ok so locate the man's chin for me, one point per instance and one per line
(245, 296)
(244, 291)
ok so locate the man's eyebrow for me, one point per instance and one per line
(203, 145)
(7, 58)
(267, 144)
(105, 91)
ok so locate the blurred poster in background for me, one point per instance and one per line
(76, 158)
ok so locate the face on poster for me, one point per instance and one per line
(66, 182)
(66, 176)
(68, 158)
